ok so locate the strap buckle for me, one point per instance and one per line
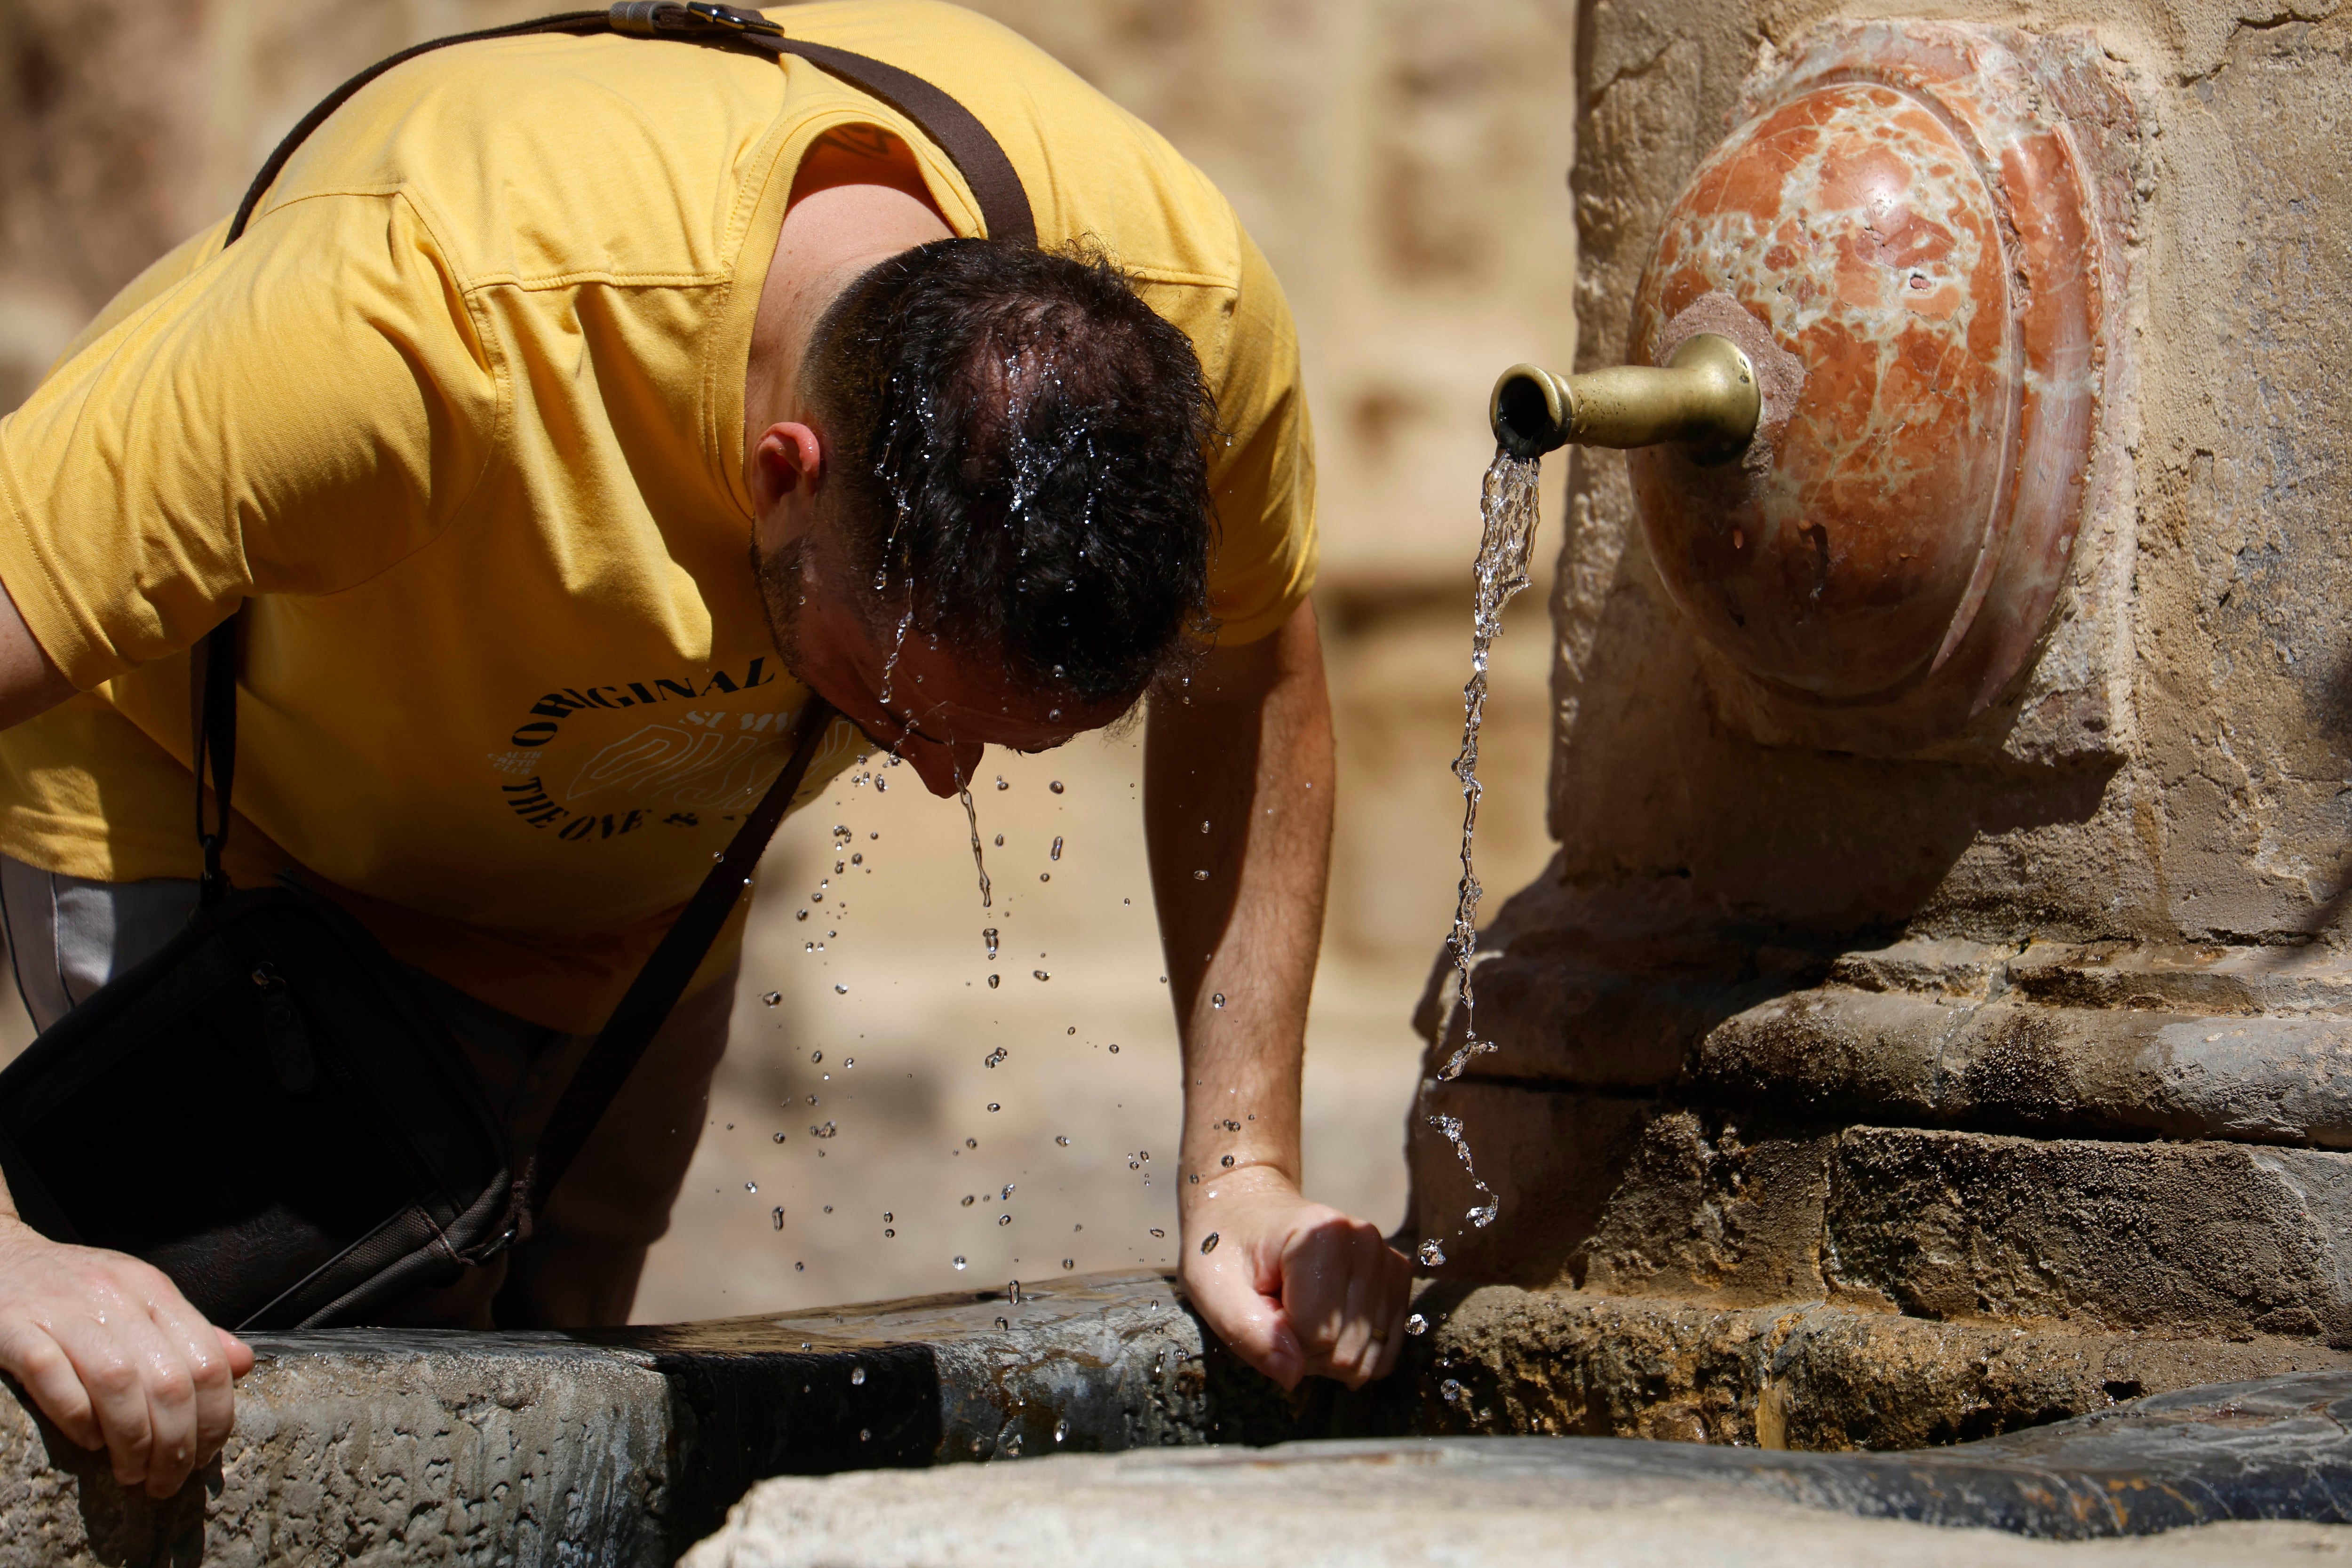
(649, 18)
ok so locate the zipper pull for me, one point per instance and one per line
(281, 1026)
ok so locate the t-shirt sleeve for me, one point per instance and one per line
(292, 415)
(1262, 476)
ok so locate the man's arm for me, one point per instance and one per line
(106, 1345)
(1238, 784)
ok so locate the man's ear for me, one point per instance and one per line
(788, 456)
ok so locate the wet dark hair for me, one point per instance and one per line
(1024, 443)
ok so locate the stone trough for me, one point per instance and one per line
(375, 1447)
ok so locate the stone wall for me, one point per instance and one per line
(2047, 1020)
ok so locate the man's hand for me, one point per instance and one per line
(1296, 1289)
(113, 1354)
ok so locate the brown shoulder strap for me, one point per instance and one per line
(995, 184)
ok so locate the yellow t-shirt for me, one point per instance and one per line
(462, 415)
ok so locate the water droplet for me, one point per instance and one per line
(989, 936)
(1005, 1219)
(888, 1218)
(858, 859)
(1056, 852)
(1431, 1256)
(1055, 786)
(1204, 827)
(1044, 876)
(1452, 1391)
(1007, 1192)
(816, 1056)
(994, 1057)
(1001, 784)
(800, 1267)
(1001, 1325)
(750, 1187)
(1226, 1160)
(1217, 999)
(1208, 1242)
(1200, 875)
(1416, 1325)
(971, 1143)
(1114, 1050)
(801, 915)
(1040, 974)
(970, 1199)
(777, 1216)
(993, 1106)
(958, 1258)
(772, 998)
(1159, 1233)
(992, 983)
(856, 1375)
(779, 1137)
(1071, 1030)
(889, 1233)
(828, 1208)
(1069, 1263)
(1064, 1141)
(1012, 1290)
(866, 1433)
(827, 1131)
(1061, 1428)
(848, 1062)
(841, 990)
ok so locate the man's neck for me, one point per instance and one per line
(840, 223)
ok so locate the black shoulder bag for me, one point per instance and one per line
(268, 1110)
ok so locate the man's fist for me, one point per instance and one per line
(1295, 1288)
(113, 1354)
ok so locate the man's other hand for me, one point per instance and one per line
(113, 1354)
(1295, 1288)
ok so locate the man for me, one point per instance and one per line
(476, 421)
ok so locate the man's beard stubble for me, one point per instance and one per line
(782, 583)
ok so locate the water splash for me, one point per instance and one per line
(1480, 1215)
(1508, 511)
(897, 645)
(971, 820)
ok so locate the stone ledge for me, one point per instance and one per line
(620, 1450)
(2011, 1066)
(2262, 1451)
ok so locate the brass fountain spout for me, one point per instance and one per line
(1705, 396)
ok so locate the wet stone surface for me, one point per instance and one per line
(2226, 1457)
(524, 1449)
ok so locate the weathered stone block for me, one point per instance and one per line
(2212, 1238)
(1711, 1206)
(1811, 1374)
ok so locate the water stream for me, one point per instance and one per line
(1507, 513)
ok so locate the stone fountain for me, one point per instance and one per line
(1936, 1019)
